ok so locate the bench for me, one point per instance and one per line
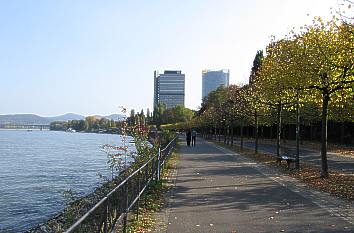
(289, 160)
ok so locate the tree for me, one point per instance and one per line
(240, 109)
(257, 63)
(142, 112)
(330, 69)
(344, 14)
(104, 123)
(91, 120)
(255, 73)
(113, 124)
(214, 101)
(177, 114)
(158, 113)
(78, 125)
(287, 79)
(59, 126)
(148, 117)
(131, 118)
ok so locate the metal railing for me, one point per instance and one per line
(111, 212)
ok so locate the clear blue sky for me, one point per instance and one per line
(90, 57)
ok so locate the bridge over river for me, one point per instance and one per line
(25, 126)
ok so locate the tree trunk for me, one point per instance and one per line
(219, 134)
(279, 108)
(232, 135)
(228, 135)
(342, 131)
(256, 131)
(241, 135)
(225, 134)
(324, 172)
(215, 132)
(297, 161)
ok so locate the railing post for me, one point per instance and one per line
(138, 201)
(126, 207)
(158, 164)
(105, 227)
(147, 178)
(147, 175)
(153, 168)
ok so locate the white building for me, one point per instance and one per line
(169, 88)
(212, 79)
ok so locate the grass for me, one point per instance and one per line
(338, 184)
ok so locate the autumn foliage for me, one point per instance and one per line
(307, 74)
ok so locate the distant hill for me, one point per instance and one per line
(23, 119)
(66, 117)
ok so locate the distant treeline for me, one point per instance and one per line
(161, 116)
(90, 124)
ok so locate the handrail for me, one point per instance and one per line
(173, 140)
(114, 211)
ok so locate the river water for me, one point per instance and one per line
(36, 167)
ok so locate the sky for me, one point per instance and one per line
(90, 57)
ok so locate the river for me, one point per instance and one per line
(36, 167)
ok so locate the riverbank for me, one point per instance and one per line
(111, 131)
(75, 209)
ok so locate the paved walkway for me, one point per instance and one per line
(219, 191)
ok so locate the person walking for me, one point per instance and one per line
(188, 137)
(194, 137)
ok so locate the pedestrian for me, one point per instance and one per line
(188, 137)
(194, 137)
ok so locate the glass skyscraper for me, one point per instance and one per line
(212, 79)
(169, 88)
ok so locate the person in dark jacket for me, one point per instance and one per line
(194, 137)
(188, 137)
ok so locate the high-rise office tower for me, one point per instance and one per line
(169, 88)
(212, 79)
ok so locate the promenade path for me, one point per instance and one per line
(219, 191)
(335, 161)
